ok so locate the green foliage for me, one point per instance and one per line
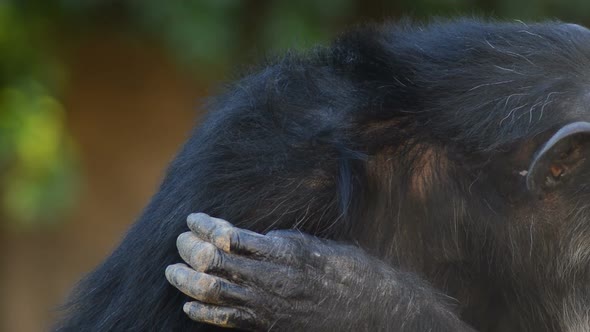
(35, 156)
(300, 24)
(195, 31)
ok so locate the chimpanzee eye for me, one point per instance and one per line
(556, 171)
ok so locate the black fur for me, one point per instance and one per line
(402, 138)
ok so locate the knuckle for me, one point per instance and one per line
(221, 318)
(218, 231)
(234, 240)
(245, 321)
(215, 258)
(200, 287)
(221, 237)
(195, 280)
(204, 256)
(214, 290)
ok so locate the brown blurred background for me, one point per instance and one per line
(96, 97)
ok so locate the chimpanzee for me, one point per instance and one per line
(433, 178)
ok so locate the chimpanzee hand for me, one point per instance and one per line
(286, 280)
(281, 280)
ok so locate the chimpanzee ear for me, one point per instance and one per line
(559, 158)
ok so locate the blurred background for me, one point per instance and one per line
(96, 96)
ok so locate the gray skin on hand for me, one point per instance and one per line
(284, 279)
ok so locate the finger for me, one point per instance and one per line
(206, 288)
(204, 257)
(229, 238)
(220, 316)
(200, 255)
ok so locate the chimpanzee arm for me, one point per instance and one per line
(287, 280)
(283, 148)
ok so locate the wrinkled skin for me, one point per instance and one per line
(287, 280)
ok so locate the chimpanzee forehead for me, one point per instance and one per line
(497, 83)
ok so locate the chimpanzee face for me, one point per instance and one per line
(559, 177)
(540, 216)
(524, 124)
